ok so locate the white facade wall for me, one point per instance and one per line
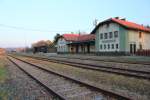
(92, 48)
(62, 45)
(106, 28)
(80, 48)
(133, 37)
(146, 40)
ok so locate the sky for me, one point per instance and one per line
(23, 22)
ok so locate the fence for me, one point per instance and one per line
(143, 53)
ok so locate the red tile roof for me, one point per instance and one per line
(131, 25)
(78, 37)
(87, 37)
(70, 37)
(124, 23)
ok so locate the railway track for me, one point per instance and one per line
(65, 87)
(115, 70)
(36, 80)
(104, 60)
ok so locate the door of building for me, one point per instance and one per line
(88, 48)
(132, 48)
(77, 48)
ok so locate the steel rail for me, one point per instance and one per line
(110, 92)
(127, 62)
(120, 71)
(46, 87)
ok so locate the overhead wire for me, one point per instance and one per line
(29, 29)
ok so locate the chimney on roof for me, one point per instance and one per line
(79, 32)
(124, 19)
(148, 26)
(116, 17)
(95, 22)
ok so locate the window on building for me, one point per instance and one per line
(104, 46)
(116, 46)
(101, 46)
(107, 25)
(105, 36)
(101, 36)
(110, 35)
(112, 46)
(108, 46)
(140, 35)
(116, 34)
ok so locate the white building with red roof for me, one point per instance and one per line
(63, 40)
(76, 43)
(119, 35)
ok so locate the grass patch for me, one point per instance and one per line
(3, 77)
(3, 72)
(3, 95)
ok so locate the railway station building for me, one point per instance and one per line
(76, 43)
(120, 36)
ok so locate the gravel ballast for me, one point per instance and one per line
(19, 86)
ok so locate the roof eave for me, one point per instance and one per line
(110, 20)
(135, 29)
(105, 21)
